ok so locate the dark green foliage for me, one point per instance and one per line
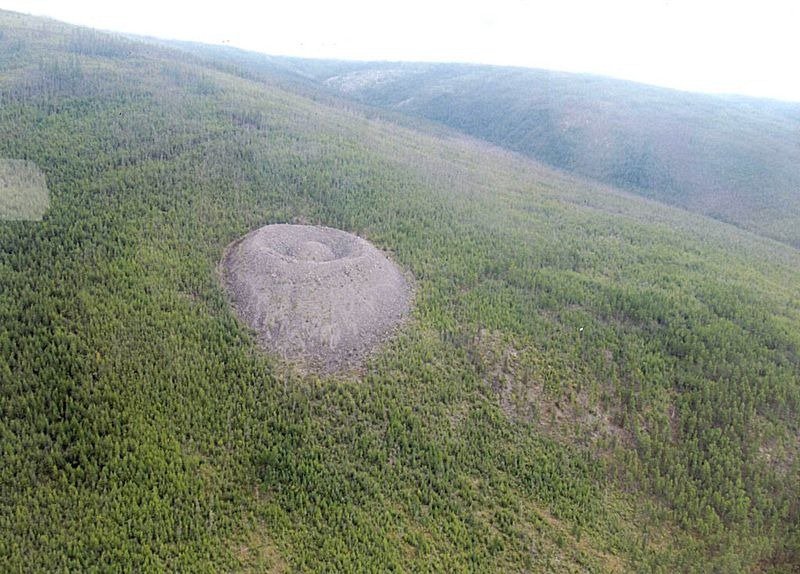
(141, 430)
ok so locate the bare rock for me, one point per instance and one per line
(315, 295)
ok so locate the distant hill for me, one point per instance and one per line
(732, 158)
(588, 380)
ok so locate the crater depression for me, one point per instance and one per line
(315, 295)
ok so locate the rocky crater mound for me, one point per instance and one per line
(316, 295)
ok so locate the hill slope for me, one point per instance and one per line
(590, 381)
(734, 159)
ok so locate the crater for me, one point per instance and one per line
(314, 251)
(317, 296)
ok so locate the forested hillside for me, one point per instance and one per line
(590, 381)
(734, 159)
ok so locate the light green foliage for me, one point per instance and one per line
(140, 428)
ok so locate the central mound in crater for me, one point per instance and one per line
(316, 295)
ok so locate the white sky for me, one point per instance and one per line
(734, 46)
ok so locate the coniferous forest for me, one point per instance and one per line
(589, 380)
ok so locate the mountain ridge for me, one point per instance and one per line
(730, 157)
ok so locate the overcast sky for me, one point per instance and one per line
(732, 46)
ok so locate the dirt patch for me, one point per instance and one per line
(315, 295)
(520, 379)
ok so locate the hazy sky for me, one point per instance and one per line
(732, 46)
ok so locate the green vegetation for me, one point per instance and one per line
(590, 381)
(734, 159)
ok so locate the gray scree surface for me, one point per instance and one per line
(315, 295)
